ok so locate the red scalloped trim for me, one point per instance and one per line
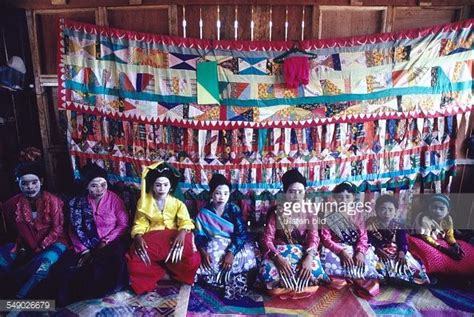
(267, 45)
(217, 125)
(231, 166)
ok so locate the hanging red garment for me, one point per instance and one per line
(296, 71)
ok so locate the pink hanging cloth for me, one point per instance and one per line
(296, 71)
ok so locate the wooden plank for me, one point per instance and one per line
(261, 17)
(48, 80)
(173, 20)
(308, 22)
(357, 21)
(209, 17)
(58, 2)
(464, 13)
(227, 22)
(42, 107)
(390, 15)
(46, 4)
(244, 16)
(425, 3)
(295, 17)
(101, 16)
(150, 19)
(278, 29)
(315, 21)
(406, 18)
(135, 2)
(451, 2)
(46, 33)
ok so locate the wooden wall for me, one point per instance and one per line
(322, 19)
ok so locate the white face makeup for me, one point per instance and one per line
(295, 192)
(161, 186)
(30, 185)
(438, 210)
(97, 187)
(386, 211)
(221, 195)
(344, 198)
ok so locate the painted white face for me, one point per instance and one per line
(344, 198)
(438, 210)
(221, 194)
(30, 185)
(97, 187)
(295, 192)
(161, 186)
(386, 211)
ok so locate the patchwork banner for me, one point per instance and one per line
(380, 111)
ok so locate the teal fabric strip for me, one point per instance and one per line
(392, 92)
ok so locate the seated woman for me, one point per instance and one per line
(435, 244)
(96, 265)
(346, 255)
(37, 218)
(389, 237)
(222, 239)
(161, 232)
(291, 266)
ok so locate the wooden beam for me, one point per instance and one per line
(390, 16)
(59, 2)
(356, 2)
(41, 100)
(425, 3)
(135, 2)
(315, 33)
(49, 80)
(101, 16)
(173, 20)
(464, 13)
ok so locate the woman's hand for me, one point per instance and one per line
(401, 258)
(458, 250)
(383, 256)
(283, 266)
(305, 269)
(141, 249)
(227, 261)
(346, 259)
(205, 260)
(177, 247)
(359, 260)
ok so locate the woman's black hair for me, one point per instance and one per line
(163, 170)
(292, 176)
(346, 186)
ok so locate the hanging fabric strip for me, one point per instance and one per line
(287, 140)
(202, 135)
(262, 138)
(213, 141)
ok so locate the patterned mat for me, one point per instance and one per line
(173, 300)
(325, 302)
(166, 300)
(422, 301)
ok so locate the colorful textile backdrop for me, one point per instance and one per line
(381, 111)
